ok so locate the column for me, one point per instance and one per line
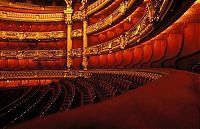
(69, 46)
(68, 20)
(85, 44)
(85, 38)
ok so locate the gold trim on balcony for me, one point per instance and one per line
(5, 3)
(131, 37)
(33, 54)
(30, 17)
(32, 35)
(56, 74)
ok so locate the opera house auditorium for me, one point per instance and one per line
(99, 64)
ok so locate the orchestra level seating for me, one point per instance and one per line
(114, 100)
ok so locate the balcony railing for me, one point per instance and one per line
(135, 34)
(33, 54)
(56, 74)
(32, 35)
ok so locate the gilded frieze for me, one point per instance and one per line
(77, 33)
(134, 35)
(31, 17)
(76, 52)
(33, 54)
(6, 3)
(32, 35)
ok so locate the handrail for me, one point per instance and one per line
(132, 36)
(90, 10)
(96, 6)
(52, 17)
(121, 10)
(33, 54)
(32, 35)
(5, 3)
(59, 74)
(31, 17)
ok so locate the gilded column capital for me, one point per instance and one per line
(68, 12)
(68, 15)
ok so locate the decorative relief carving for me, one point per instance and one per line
(77, 33)
(110, 19)
(76, 52)
(77, 16)
(80, 15)
(31, 17)
(32, 35)
(33, 54)
(38, 74)
(6, 3)
(68, 3)
(142, 28)
(69, 63)
(85, 62)
(52, 74)
(123, 7)
(83, 2)
(68, 15)
(96, 6)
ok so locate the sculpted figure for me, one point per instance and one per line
(68, 3)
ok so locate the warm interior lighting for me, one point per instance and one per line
(186, 17)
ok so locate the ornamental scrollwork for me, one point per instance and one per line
(35, 8)
(96, 6)
(31, 17)
(77, 16)
(123, 7)
(109, 19)
(76, 52)
(132, 36)
(77, 33)
(52, 74)
(32, 35)
(32, 54)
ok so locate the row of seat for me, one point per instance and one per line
(23, 27)
(88, 90)
(12, 94)
(56, 90)
(171, 49)
(11, 112)
(67, 94)
(33, 45)
(104, 89)
(31, 64)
